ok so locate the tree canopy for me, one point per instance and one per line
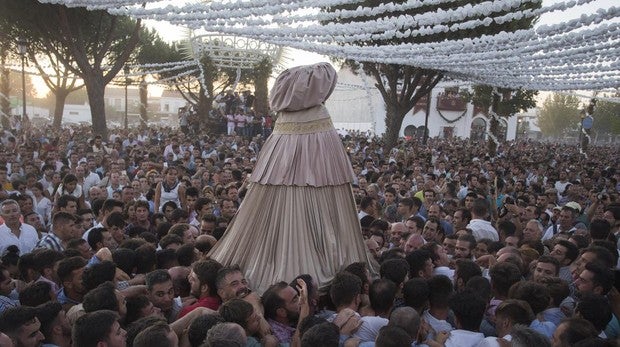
(558, 114)
(93, 45)
(607, 117)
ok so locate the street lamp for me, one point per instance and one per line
(22, 49)
(127, 81)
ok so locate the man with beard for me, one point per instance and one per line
(232, 284)
(101, 328)
(465, 244)
(461, 218)
(433, 231)
(22, 326)
(70, 271)
(202, 280)
(54, 325)
(281, 303)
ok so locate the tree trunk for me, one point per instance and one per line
(204, 106)
(494, 131)
(393, 122)
(60, 96)
(204, 102)
(261, 101)
(493, 126)
(262, 72)
(95, 88)
(143, 103)
(5, 90)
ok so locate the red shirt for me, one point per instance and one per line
(212, 302)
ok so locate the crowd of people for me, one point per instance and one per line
(105, 242)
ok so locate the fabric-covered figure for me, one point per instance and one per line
(299, 213)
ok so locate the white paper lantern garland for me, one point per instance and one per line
(579, 54)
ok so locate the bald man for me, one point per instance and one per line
(396, 232)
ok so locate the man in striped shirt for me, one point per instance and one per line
(64, 225)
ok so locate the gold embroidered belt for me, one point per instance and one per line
(315, 126)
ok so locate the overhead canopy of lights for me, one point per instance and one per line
(581, 53)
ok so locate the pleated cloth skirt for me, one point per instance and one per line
(298, 215)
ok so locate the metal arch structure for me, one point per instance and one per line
(235, 52)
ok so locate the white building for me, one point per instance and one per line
(162, 110)
(357, 105)
(167, 106)
(31, 111)
(73, 113)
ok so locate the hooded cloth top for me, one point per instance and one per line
(303, 87)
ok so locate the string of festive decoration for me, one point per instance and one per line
(157, 65)
(577, 54)
(545, 53)
(215, 10)
(201, 76)
(342, 33)
(450, 121)
(358, 31)
(160, 71)
(421, 63)
(382, 8)
(244, 5)
(358, 98)
(483, 43)
(430, 23)
(598, 97)
(389, 27)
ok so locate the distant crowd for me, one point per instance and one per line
(105, 242)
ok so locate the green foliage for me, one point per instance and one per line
(94, 45)
(512, 101)
(99, 36)
(261, 69)
(260, 74)
(15, 79)
(152, 49)
(607, 117)
(559, 113)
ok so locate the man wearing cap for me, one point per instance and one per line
(565, 222)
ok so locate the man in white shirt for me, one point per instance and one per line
(87, 178)
(14, 232)
(565, 223)
(468, 308)
(481, 228)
